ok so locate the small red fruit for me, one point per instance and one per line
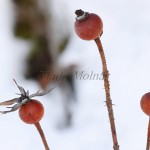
(88, 26)
(145, 103)
(31, 112)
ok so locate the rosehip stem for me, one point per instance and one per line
(38, 126)
(148, 136)
(107, 92)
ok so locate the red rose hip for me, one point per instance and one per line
(31, 112)
(145, 103)
(88, 26)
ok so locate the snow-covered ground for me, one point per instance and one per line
(126, 43)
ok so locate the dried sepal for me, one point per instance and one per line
(21, 89)
(23, 99)
(41, 93)
(9, 102)
(14, 108)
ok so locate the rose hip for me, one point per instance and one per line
(31, 112)
(88, 26)
(145, 103)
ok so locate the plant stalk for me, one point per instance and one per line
(107, 92)
(38, 126)
(148, 136)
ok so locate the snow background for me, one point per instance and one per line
(126, 43)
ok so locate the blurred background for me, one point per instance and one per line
(37, 41)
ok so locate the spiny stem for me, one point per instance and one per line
(38, 126)
(107, 92)
(148, 136)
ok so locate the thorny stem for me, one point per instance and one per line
(107, 92)
(38, 126)
(148, 136)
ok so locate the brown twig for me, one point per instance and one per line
(38, 126)
(148, 136)
(107, 91)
